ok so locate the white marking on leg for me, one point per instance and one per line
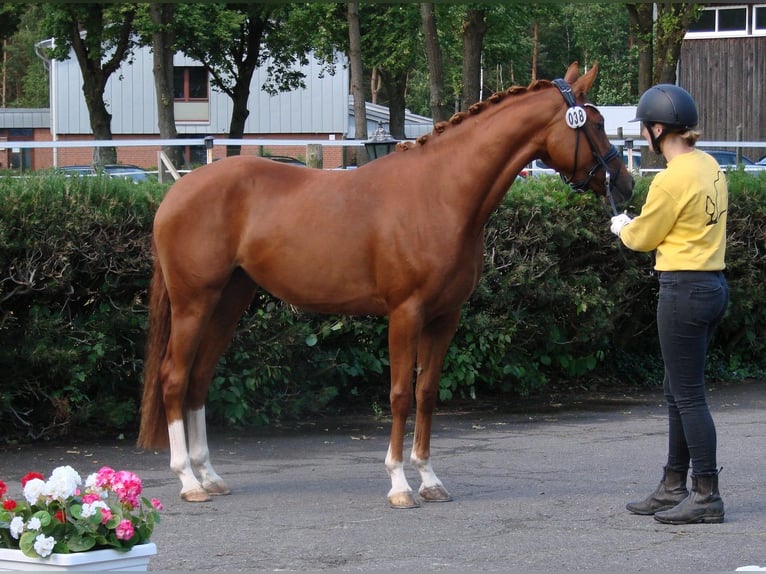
(179, 457)
(396, 473)
(427, 475)
(198, 448)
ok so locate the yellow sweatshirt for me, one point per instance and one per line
(684, 216)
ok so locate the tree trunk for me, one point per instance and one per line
(240, 94)
(642, 25)
(239, 112)
(474, 28)
(396, 87)
(535, 49)
(374, 85)
(439, 109)
(673, 20)
(95, 73)
(357, 71)
(163, 40)
(100, 119)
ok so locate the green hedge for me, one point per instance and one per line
(560, 303)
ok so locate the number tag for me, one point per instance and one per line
(576, 117)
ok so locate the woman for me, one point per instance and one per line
(684, 220)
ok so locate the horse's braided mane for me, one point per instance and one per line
(476, 108)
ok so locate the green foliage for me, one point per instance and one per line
(560, 303)
(73, 271)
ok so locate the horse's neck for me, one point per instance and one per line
(489, 149)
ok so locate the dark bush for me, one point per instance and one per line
(560, 303)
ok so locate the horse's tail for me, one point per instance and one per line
(153, 432)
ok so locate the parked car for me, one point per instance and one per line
(286, 159)
(125, 171)
(761, 161)
(728, 160)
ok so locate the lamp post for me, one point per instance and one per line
(380, 144)
(209, 140)
(629, 148)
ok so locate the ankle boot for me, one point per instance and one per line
(703, 504)
(670, 491)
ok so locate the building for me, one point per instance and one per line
(723, 66)
(319, 112)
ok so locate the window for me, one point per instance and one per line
(759, 20)
(190, 91)
(720, 21)
(189, 83)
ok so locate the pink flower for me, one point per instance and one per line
(106, 516)
(90, 498)
(3, 488)
(127, 486)
(104, 477)
(124, 530)
(157, 504)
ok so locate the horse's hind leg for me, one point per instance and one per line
(236, 297)
(434, 342)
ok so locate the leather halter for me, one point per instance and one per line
(601, 161)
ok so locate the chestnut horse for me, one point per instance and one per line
(401, 236)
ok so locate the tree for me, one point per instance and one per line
(659, 30)
(357, 71)
(391, 49)
(234, 40)
(474, 28)
(101, 36)
(163, 41)
(602, 33)
(10, 16)
(24, 77)
(437, 101)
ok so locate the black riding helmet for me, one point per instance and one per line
(669, 105)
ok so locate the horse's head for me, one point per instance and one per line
(577, 146)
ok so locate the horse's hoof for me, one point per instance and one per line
(217, 488)
(196, 495)
(435, 494)
(402, 500)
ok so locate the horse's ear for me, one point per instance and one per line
(573, 72)
(582, 85)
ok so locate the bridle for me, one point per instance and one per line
(576, 119)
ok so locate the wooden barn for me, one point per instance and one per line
(723, 66)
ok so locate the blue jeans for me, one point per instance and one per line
(690, 307)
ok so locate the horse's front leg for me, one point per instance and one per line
(434, 342)
(403, 331)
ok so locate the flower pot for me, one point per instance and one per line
(134, 560)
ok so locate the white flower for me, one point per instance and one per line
(90, 481)
(17, 526)
(63, 483)
(34, 523)
(34, 490)
(44, 545)
(89, 509)
(91, 486)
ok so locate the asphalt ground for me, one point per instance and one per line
(539, 488)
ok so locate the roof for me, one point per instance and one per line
(414, 124)
(25, 118)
